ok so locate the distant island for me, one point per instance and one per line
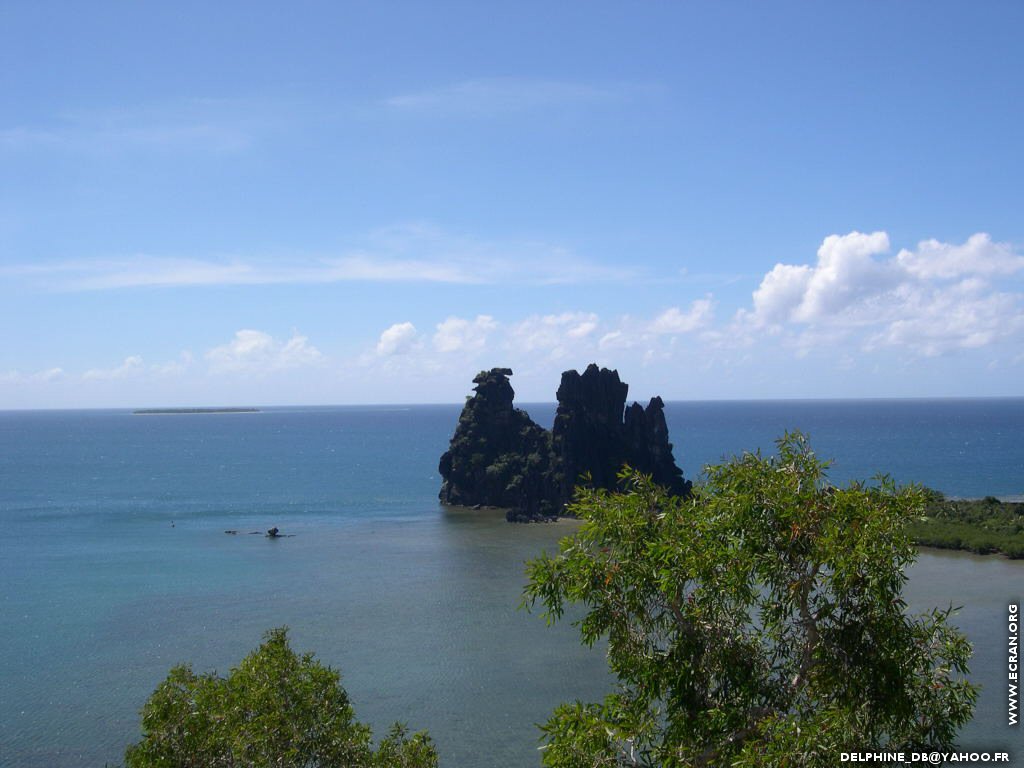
(166, 411)
(499, 457)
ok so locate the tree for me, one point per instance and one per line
(275, 709)
(757, 622)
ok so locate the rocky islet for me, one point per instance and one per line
(500, 457)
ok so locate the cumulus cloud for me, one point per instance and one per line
(398, 339)
(50, 374)
(675, 320)
(964, 315)
(934, 299)
(132, 366)
(256, 352)
(978, 256)
(173, 367)
(456, 334)
(845, 274)
(554, 334)
(780, 292)
(44, 376)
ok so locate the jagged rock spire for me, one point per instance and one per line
(499, 457)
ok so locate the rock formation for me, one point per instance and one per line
(499, 457)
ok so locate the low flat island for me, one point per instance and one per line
(168, 411)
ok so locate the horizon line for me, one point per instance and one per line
(278, 406)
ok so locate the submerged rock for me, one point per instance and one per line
(500, 457)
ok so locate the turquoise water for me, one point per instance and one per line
(115, 565)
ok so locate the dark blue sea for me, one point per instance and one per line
(115, 565)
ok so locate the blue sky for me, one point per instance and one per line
(368, 202)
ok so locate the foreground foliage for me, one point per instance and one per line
(276, 708)
(759, 622)
(985, 526)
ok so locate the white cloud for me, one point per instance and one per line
(389, 270)
(978, 256)
(50, 374)
(487, 97)
(207, 125)
(554, 334)
(39, 377)
(582, 329)
(674, 320)
(965, 315)
(414, 253)
(256, 352)
(780, 292)
(398, 339)
(132, 366)
(933, 300)
(456, 334)
(846, 272)
(611, 340)
(854, 307)
(160, 272)
(173, 367)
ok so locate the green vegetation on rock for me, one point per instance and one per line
(759, 622)
(985, 526)
(276, 708)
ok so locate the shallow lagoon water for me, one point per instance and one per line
(115, 565)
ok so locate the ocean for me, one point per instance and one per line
(115, 565)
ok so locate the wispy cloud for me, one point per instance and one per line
(415, 254)
(168, 272)
(486, 97)
(204, 124)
